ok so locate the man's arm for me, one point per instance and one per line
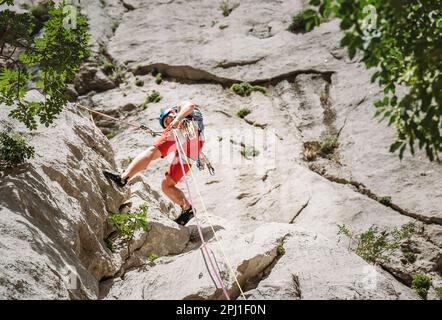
(185, 108)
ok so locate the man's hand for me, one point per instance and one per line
(174, 124)
(185, 108)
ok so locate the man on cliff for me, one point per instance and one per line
(170, 119)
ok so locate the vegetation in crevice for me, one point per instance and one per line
(249, 152)
(421, 283)
(226, 8)
(324, 147)
(127, 224)
(244, 89)
(154, 97)
(303, 21)
(243, 112)
(376, 246)
(14, 150)
(114, 71)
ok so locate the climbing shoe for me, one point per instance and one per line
(185, 216)
(116, 178)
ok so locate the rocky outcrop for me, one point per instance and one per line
(90, 78)
(315, 268)
(266, 264)
(54, 211)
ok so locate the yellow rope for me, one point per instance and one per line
(211, 226)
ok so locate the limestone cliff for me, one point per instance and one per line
(53, 211)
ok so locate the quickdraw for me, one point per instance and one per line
(188, 128)
(203, 161)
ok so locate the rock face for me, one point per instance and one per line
(277, 213)
(90, 78)
(337, 273)
(53, 214)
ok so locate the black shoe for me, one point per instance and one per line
(184, 217)
(115, 178)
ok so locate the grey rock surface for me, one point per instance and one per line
(53, 212)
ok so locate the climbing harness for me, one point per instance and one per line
(181, 150)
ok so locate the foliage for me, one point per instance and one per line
(386, 201)
(115, 26)
(302, 21)
(245, 89)
(226, 8)
(260, 89)
(57, 55)
(243, 112)
(111, 133)
(324, 146)
(409, 255)
(375, 246)
(249, 151)
(154, 97)
(139, 82)
(280, 250)
(439, 292)
(128, 160)
(402, 42)
(38, 10)
(421, 284)
(13, 149)
(114, 71)
(152, 257)
(110, 245)
(158, 78)
(328, 143)
(325, 99)
(126, 224)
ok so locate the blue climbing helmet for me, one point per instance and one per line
(163, 115)
(195, 116)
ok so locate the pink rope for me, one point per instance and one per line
(217, 274)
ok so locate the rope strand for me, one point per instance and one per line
(211, 226)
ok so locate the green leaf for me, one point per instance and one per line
(396, 146)
(309, 13)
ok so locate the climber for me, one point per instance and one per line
(187, 118)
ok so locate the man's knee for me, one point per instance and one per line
(167, 183)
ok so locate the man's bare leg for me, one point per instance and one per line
(141, 162)
(176, 195)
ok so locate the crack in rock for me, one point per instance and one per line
(362, 189)
(231, 64)
(264, 266)
(187, 74)
(299, 211)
